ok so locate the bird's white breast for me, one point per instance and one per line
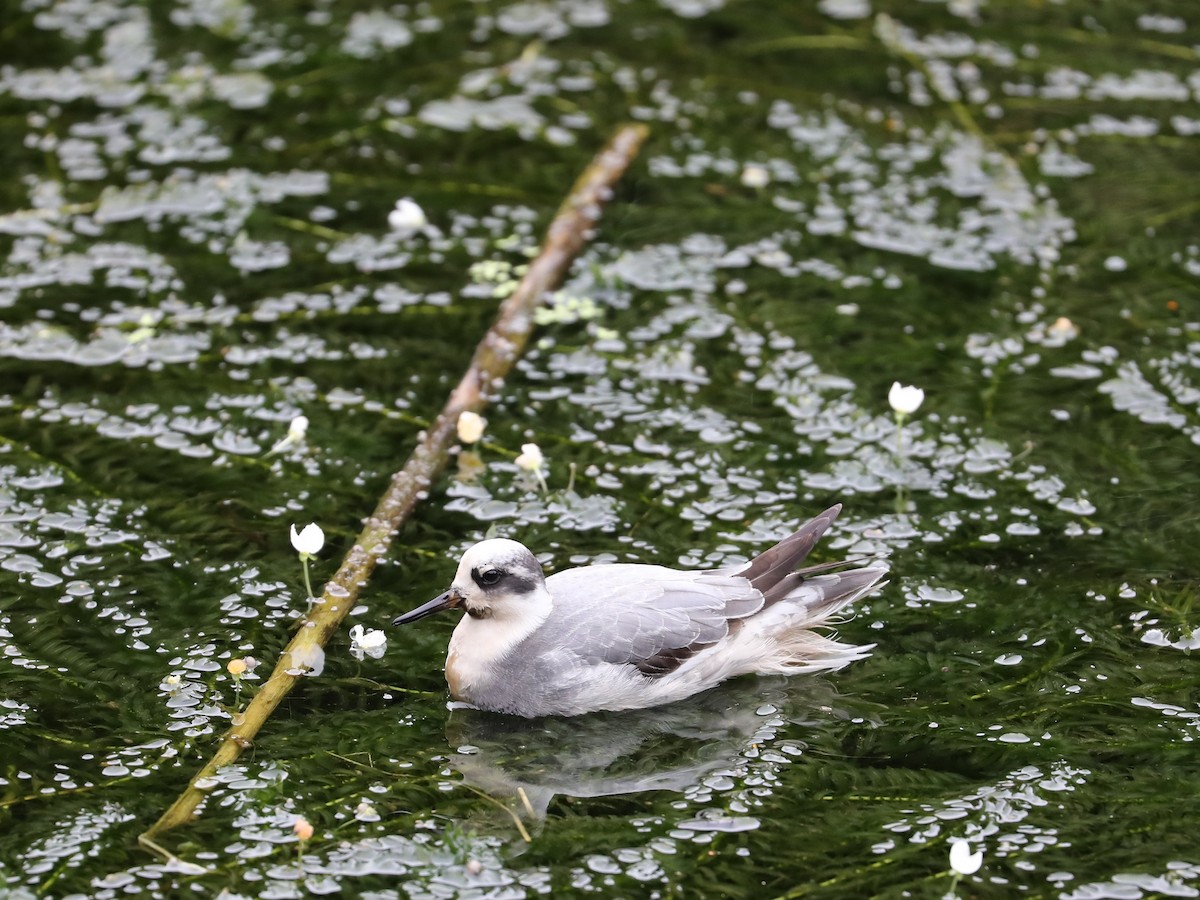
(478, 645)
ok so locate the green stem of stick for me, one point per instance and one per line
(307, 581)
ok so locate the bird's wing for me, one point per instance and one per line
(650, 617)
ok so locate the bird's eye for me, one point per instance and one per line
(489, 577)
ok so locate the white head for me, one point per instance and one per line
(493, 579)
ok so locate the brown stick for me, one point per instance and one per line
(494, 358)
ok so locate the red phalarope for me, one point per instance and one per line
(629, 636)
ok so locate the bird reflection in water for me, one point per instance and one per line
(526, 763)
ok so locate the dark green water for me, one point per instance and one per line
(993, 201)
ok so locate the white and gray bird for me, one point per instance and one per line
(628, 636)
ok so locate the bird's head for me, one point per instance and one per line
(493, 578)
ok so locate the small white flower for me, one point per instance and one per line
(309, 541)
(295, 435)
(407, 216)
(297, 429)
(1063, 330)
(905, 399)
(755, 177)
(308, 544)
(962, 860)
(367, 643)
(470, 427)
(531, 459)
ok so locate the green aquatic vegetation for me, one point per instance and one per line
(209, 231)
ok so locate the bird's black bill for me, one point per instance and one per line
(449, 600)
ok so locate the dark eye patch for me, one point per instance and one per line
(487, 577)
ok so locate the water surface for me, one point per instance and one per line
(990, 201)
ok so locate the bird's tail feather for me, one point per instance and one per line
(772, 566)
(780, 639)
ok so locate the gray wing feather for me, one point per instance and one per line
(646, 616)
(654, 618)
